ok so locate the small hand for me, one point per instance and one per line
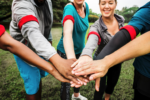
(82, 60)
(59, 77)
(97, 69)
(83, 81)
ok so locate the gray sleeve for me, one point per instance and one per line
(43, 48)
(31, 31)
(50, 38)
(91, 45)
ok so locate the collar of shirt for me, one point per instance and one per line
(33, 2)
(104, 27)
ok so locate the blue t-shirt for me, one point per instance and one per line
(141, 20)
(79, 29)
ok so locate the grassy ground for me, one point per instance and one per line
(12, 87)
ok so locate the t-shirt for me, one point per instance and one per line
(79, 28)
(2, 30)
(141, 20)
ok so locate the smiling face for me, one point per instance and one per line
(79, 2)
(107, 7)
(39, 2)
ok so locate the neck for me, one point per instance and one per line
(108, 20)
(78, 6)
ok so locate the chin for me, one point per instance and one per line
(107, 15)
(79, 2)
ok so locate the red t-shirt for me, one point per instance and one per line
(2, 30)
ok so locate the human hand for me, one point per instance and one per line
(97, 84)
(64, 67)
(95, 69)
(82, 80)
(82, 60)
(58, 76)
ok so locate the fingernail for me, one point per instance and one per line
(85, 83)
(86, 80)
(97, 88)
(72, 72)
(71, 82)
(91, 78)
(76, 73)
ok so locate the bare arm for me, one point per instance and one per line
(138, 47)
(67, 40)
(8, 43)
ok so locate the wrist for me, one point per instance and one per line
(54, 60)
(109, 61)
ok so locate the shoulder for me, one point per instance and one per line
(69, 7)
(95, 26)
(86, 5)
(120, 18)
(96, 23)
(22, 5)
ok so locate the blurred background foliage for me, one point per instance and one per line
(58, 6)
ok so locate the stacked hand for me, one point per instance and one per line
(64, 68)
(85, 66)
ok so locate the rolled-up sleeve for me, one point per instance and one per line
(29, 26)
(90, 45)
(93, 40)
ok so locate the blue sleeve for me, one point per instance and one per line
(68, 10)
(141, 20)
(87, 8)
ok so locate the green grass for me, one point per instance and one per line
(12, 87)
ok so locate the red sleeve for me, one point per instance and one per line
(26, 19)
(131, 31)
(99, 38)
(2, 30)
(68, 17)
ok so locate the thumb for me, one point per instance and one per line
(97, 84)
(94, 76)
(75, 63)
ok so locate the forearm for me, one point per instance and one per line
(68, 39)
(8, 43)
(138, 47)
(120, 39)
(90, 46)
(34, 36)
(69, 47)
(54, 60)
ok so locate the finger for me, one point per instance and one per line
(72, 85)
(61, 78)
(79, 69)
(65, 81)
(84, 80)
(85, 76)
(85, 72)
(79, 65)
(75, 63)
(97, 84)
(95, 76)
(74, 80)
(77, 86)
